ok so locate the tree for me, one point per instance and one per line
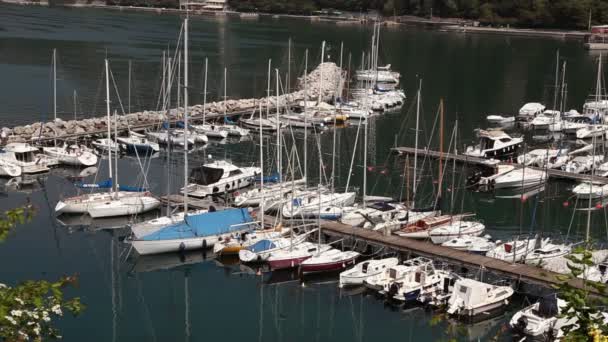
(27, 309)
(581, 308)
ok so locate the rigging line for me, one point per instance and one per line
(445, 166)
(352, 160)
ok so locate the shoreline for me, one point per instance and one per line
(439, 24)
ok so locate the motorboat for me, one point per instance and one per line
(295, 255)
(541, 318)
(199, 231)
(365, 269)
(471, 297)
(509, 176)
(105, 144)
(548, 119)
(72, 155)
(219, 177)
(590, 190)
(547, 250)
(571, 124)
(530, 110)
(24, 156)
(513, 251)
(500, 120)
(329, 261)
(583, 164)
(439, 293)
(539, 157)
(8, 169)
(591, 131)
(308, 205)
(412, 284)
(394, 273)
(446, 232)
(472, 244)
(494, 144)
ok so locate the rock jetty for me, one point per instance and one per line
(327, 78)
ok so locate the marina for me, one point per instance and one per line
(277, 176)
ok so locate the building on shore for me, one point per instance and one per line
(205, 5)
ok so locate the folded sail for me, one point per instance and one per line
(101, 185)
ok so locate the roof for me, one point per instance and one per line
(493, 134)
(20, 148)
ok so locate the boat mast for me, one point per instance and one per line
(74, 100)
(205, 92)
(261, 161)
(556, 90)
(225, 93)
(587, 232)
(185, 117)
(279, 161)
(179, 79)
(416, 144)
(305, 117)
(55, 91)
(454, 167)
(288, 64)
(333, 156)
(129, 98)
(321, 73)
(109, 124)
(440, 181)
(115, 154)
(364, 162)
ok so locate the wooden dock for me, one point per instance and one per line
(558, 174)
(516, 271)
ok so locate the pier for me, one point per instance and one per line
(515, 271)
(552, 173)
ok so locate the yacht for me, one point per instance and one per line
(500, 120)
(446, 232)
(137, 144)
(72, 155)
(539, 158)
(530, 110)
(546, 251)
(394, 273)
(218, 178)
(509, 176)
(471, 298)
(494, 144)
(211, 130)
(295, 255)
(548, 119)
(24, 156)
(382, 74)
(328, 261)
(513, 251)
(541, 318)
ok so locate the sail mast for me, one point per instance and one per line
(261, 165)
(205, 91)
(305, 117)
(416, 144)
(440, 181)
(279, 161)
(55, 91)
(109, 124)
(321, 73)
(185, 117)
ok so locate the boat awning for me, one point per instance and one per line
(262, 245)
(206, 224)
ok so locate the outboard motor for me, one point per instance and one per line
(393, 289)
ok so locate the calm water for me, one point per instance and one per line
(165, 298)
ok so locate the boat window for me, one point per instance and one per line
(235, 172)
(392, 273)
(205, 175)
(463, 289)
(504, 140)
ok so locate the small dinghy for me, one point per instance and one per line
(444, 233)
(330, 260)
(471, 298)
(363, 270)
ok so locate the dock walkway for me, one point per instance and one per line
(559, 174)
(515, 271)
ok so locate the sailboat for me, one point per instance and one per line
(118, 201)
(196, 231)
(513, 251)
(73, 155)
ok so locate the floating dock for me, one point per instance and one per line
(559, 174)
(516, 271)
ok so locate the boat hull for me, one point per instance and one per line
(327, 267)
(280, 264)
(147, 247)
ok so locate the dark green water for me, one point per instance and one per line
(147, 299)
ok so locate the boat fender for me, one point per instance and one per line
(182, 247)
(204, 243)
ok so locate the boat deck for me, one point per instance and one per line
(514, 271)
(177, 200)
(558, 174)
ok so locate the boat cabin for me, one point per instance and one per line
(23, 152)
(531, 109)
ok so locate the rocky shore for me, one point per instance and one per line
(326, 78)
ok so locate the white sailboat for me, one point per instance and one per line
(513, 251)
(113, 202)
(446, 232)
(472, 244)
(365, 269)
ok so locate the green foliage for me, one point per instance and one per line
(582, 311)
(27, 309)
(11, 218)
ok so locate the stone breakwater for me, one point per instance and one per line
(326, 78)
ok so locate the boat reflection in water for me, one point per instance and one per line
(151, 263)
(86, 222)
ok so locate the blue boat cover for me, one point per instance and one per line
(165, 125)
(131, 188)
(206, 224)
(228, 121)
(181, 124)
(273, 178)
(101, 185)
(262, 245)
